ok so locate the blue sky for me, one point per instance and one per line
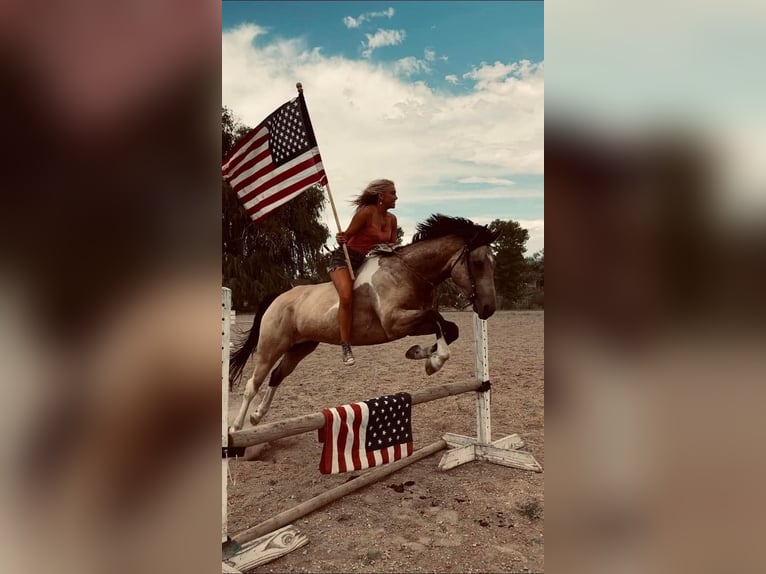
(445, 98)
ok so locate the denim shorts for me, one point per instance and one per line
(338, 259)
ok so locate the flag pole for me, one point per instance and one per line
(334, 211)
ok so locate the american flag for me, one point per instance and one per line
(365, 434)
(276, 161)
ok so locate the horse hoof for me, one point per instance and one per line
(233, 429)
(430, 370)
(254, 420)
(416, 352)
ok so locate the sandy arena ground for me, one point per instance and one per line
(478, 517)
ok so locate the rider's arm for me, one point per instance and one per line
(360, 220)
(394, 231)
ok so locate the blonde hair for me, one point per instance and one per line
(370, 194)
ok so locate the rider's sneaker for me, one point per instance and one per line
(348, 356)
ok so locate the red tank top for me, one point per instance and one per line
(368, 238)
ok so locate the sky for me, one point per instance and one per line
(443, 98)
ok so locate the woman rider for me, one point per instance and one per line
(371, 225)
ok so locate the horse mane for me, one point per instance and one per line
(439, 225)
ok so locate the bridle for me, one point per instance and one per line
(463, 254)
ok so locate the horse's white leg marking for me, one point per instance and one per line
(418, 352)
(251, 389)
(263, 408)
(247, 397)
(436, 360)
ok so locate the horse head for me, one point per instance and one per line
(471, 268)
(474, 275)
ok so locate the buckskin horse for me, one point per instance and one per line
(393, 298)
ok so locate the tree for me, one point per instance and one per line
(534, 279)
(268, 257)
(449, 296)
(535, 274)
(510, 266)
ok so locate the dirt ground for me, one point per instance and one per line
(478, 517)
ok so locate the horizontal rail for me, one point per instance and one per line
(307, 423)
(304, 508)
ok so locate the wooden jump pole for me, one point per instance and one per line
(307, 423)
(225, 350)
(369, 477)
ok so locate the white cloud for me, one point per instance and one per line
(452, 79)
(473, 195)
(382, 38)
(490, 180)
(351, 22)
(372, 122)
(411, 65)
(429, 55)
(535, 228)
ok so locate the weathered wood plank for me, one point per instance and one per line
(267, 548)
(307, 423)
(457, 456)
(506, 457)
(513, 441)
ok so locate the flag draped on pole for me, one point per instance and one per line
(366, 434)
(276, 161)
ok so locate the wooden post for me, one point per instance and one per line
(481, 364)
(225, 350)
(236, 558)
(503, 451)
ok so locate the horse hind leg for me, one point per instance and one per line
(290, 360)
(251, 389)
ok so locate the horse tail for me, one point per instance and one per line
(246, 346)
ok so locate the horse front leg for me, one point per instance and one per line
(427, 323)
(437, 359)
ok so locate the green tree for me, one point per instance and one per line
(283, 249)
(448, 296)
(510, 266)
(535, 273)
(534, 278)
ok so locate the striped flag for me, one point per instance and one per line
(276, 161)
(366, 434)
